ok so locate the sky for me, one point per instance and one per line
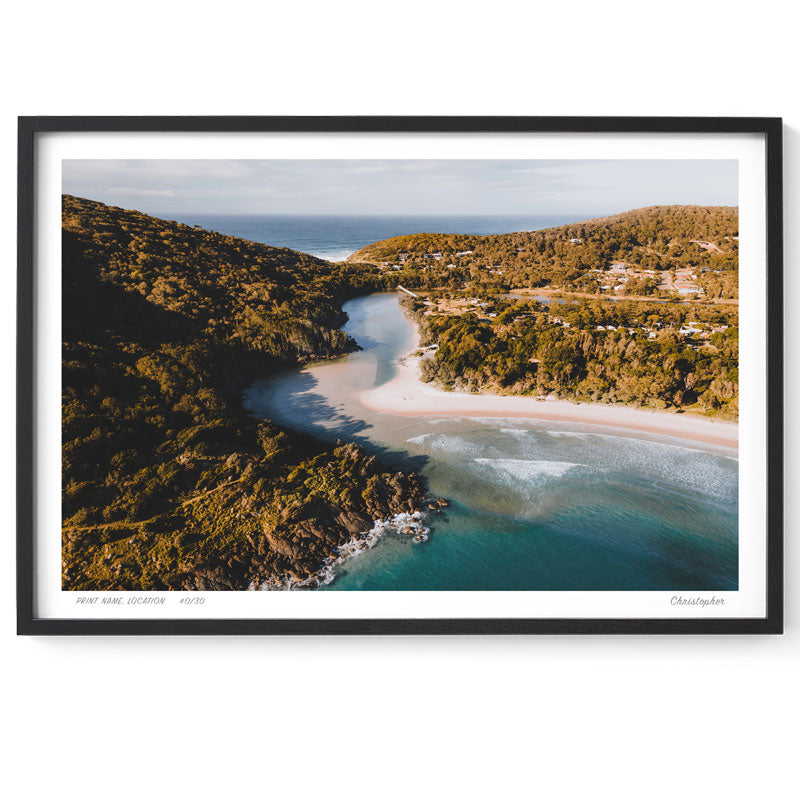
(401, 187)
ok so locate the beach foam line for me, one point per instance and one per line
(610, 436)
(530, 470)
(407, 395)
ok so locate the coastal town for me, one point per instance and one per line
(507, 309)
(686, 254)
(617, 281)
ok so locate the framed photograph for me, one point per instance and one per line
(381, 375)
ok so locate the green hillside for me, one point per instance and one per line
(167, 482)
(657, 238)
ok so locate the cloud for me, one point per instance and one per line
(401, 186)
(134, 191)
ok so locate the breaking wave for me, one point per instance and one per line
(518, 432)
(533, 472)
(332, 253)
(448, 443)
(646, 460)
(405, 523)
(612, 437)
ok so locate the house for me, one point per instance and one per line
(710, 246)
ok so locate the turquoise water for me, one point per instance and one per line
(535, 505)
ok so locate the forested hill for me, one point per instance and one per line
(167, 482)
(261, 298)
(657, 238)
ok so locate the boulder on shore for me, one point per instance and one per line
(353, 522)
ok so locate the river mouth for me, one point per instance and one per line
(535, 504)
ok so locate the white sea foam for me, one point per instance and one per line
(332, 253)
(447, 443)
(638, 440)
(693, 468)
(420, 439)
(359, 543)
(520, 432)
(568, 434)
(533, 472)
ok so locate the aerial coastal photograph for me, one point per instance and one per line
(400, 375)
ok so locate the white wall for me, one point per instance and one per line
(547, 717)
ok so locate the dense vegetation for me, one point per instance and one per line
(574, 257)
(676, 356)
(673, 355)
(167, 482)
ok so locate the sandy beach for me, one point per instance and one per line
(407, 395)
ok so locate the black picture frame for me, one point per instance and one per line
(30, 127)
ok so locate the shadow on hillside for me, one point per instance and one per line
(328, 422)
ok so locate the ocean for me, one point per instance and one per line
(336, 237)
(535, 505)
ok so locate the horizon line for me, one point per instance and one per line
(432, 214)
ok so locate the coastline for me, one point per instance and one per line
(407, 395)
(625, 495)
(357, 544)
